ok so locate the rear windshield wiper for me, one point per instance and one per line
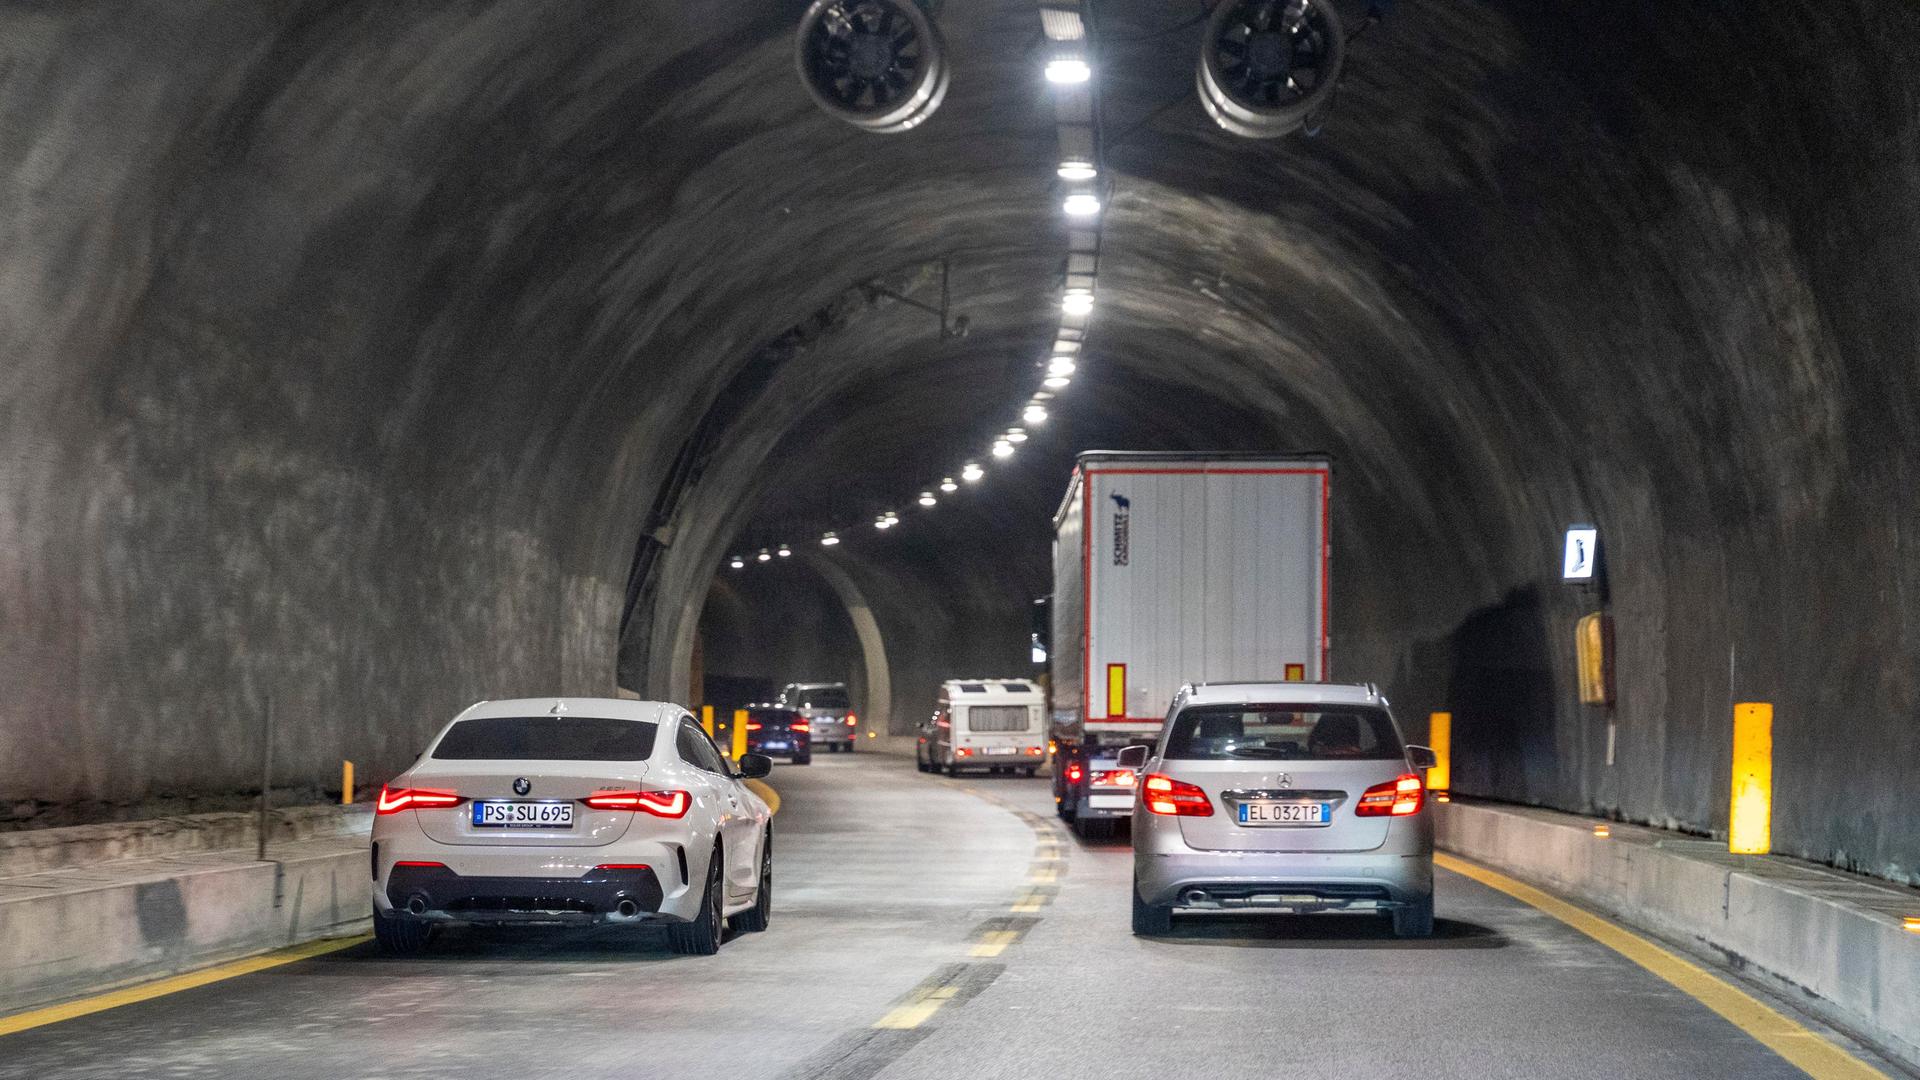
(1259, 751)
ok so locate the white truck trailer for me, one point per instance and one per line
(1170, 568)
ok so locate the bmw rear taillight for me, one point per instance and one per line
(1176, 798)
(666, 804)
(1395, 798)
(392, 802)
(751, 726)
(1115, 778)
(800, 726)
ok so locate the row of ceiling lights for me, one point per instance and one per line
(1068, 70)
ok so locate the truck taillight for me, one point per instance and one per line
(1177, 798)
(392, 802)
(963, 752)
(1033, 751)
(1115, 778)
(666, 804)
(1395, 798)
(852, 719)
(1075, 772)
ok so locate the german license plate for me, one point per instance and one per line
(494, 814)
(773, 746)
(1269, 812)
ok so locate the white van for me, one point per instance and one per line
(992, 725)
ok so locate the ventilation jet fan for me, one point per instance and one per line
(1269, 67)
(877, 64)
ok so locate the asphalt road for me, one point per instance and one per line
(933, 928)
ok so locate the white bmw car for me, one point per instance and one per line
(573, 810)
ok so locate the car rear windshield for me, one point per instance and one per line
(547, 738)
(823, 697)
(1281, 732)
(773, 717)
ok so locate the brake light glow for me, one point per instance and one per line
(1033, 751)
(1395, 798)
(963, 752)
(1114, 778)
(421, 864)
(1176, 798)
(852, 719)
(622, 866)
(1075, 772)
(666, 804)
(799, 725)
(392, 802)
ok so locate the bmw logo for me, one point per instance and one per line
(522, 785)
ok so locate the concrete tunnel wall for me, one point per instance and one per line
(349, 346)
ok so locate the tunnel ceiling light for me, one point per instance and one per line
(972, 473)
(1003, 449)
(1068, 70)
(927, 499)
(1034, 414)
(1016, 435)
(1078, 171)
(1077, 302)
(736, 562)
(1081, 204)
(783, 551)
(947, 485)
(829, 540)
(1060, 365)
(884, 523)
(765, 555)
(1057, 382)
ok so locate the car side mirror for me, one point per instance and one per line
(755, 766)
(1422, 757)
(1133, 757)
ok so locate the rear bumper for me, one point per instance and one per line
(438, 893)
(1292, 881)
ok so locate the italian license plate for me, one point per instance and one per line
(522, 815)
(1002, 751)
(773, 746)
(1268, 812)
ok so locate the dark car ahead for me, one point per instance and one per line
(779, 732)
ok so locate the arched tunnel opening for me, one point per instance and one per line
(363, 361)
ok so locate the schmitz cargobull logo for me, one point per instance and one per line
(1122, 528)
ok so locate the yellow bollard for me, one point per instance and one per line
(346, 783)
(706, 719)
(1440, 738)
(739, 733)
(1750, 823)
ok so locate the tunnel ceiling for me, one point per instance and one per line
(362, 357)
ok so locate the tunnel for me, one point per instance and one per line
(363, 361)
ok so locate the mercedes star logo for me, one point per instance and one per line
(1284, 780)
(522, 785)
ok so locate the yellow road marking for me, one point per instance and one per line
(1811, 1052)
(1043, 876)
(995, 942)
(1032, 900)
(766, 792)
(54, 1014)
(916, 1012)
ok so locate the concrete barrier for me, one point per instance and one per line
(1830, 942)
(75, 931)
(36, 851)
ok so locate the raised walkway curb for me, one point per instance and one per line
(1830, 942)
(81, 930)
